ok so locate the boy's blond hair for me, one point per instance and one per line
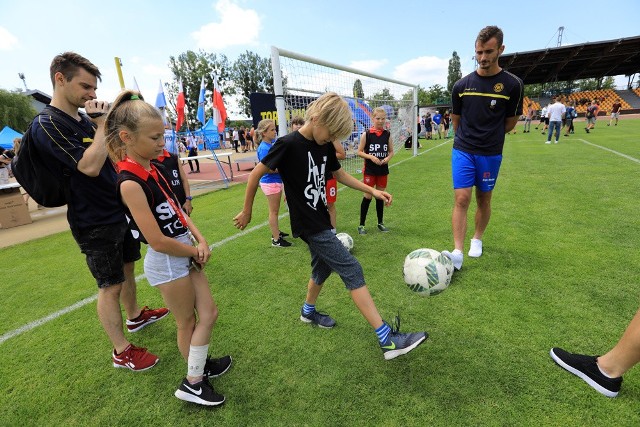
(334, 113)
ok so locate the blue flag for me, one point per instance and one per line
(200, 114)
(161, 102)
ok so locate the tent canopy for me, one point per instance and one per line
(7, 135)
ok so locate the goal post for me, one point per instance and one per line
(299, 79)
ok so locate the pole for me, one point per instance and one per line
(119, 70)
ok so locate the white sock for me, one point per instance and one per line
(197, 359)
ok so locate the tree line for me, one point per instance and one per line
(252, 73)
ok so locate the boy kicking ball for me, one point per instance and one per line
(302, 158)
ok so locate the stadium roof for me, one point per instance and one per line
(580, 61)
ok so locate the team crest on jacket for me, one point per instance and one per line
(498, 87)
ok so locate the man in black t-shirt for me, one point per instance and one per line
(486, 104)
(73, 141)
(303, 159)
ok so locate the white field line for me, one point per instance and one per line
(633, 159)
(32, 325)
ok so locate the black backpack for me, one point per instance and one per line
(46, 183)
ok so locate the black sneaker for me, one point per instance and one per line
(361, 230)
(321, 319)
(586, 368)
(216, 367)
(283, 234)
(398, 343)
(382, 228)
(280, 243)
(201, 393)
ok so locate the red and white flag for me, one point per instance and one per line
(219, 112)
(180, 104)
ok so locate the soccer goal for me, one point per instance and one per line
(299, 79)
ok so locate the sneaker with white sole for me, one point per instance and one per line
(215, 367)
(456, 257)
(134, 358)
(398, 343)
(321, 319)
(586, 367)
(548, 142)
(146, 317)
(201, 393)
(476, 248)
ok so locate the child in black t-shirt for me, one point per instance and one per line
(302, 158)
(134, 138)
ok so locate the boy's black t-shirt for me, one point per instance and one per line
(303, 166)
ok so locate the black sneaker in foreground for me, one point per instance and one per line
(321, 319)
(398, 343)
(382, 228)
(283, 234)
(280, 243)
(216, 367)
(201, 393)
(586, 368)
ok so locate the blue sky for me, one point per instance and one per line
(410, 40)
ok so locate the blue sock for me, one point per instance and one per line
(383, 333)
(308, 308)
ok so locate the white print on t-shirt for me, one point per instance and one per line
(374, 150)
(315, 191)
(165, 211)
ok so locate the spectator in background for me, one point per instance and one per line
(5, 163)
(615, 112)
(543, 119)
(242, 139)
(436, 119)
(236, 139)
(528, 118)
(591, 115)
(428, 126)
(569, 115)
(192, 146)
(250, 141)
(446, 122)
(556, 114)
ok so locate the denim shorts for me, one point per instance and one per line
(472, 169)
(161, 268)
(107, 248)
(329, 254)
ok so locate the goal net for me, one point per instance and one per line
(299, 79)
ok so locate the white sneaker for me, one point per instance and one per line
(476, 248)
(456, 257)
(555, 142)
(548, 142)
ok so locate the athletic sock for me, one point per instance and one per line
(380, 210)
(196, 360)
(308, 308)
(383, 333)
(364, 208)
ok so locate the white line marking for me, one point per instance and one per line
(32, 325)
(633, 159)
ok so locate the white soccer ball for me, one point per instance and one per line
(427, 271)
(346, 240)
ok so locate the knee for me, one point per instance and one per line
(209, 316)
(462, 201)
(186, 323)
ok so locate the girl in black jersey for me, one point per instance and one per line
(376, 148)
(135, 137)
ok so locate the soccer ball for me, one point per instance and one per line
(346, 240)
(427, 271)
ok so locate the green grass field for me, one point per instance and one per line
(560, 268)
